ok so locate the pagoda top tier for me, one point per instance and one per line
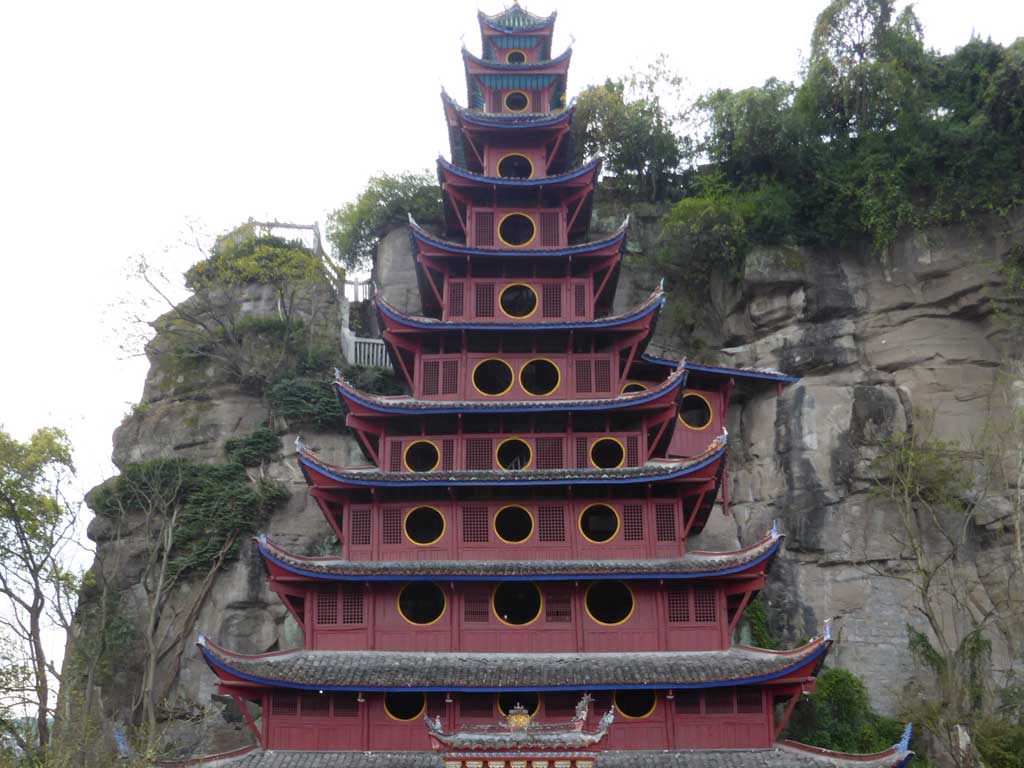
(515, 28)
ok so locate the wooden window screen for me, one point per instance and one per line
(602, 376)
(558, 608)
(476, 608)
(749, 701)
(584, 381)
(326, 608)
(552, 300)
(447, 455)
(346, 704)
(360, 527)
(678, 604)
(478, 453)
(476, 705)
(456, 299)
(474, 525)
(550, 224)
(582, 455)
(665, 521)
(430, 376)
(633, 522)
(549, 453)
(316, 705)
(395, 457)
(284, 704)
(688, 702)
(705, 605)
(633, 451)
(718, 701)
(392, 524)
(449, 377)
(558, 704)
(484, 295)
(483, 228)
(550, 523)
(352, 604)
(581, 300)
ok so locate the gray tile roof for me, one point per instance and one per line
(393, 670)
(691, 563)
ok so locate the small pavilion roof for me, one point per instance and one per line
(559, 63)
(515, 18)
(655, 397)
(493, 672)
(507, 120)
(701, 467)
(578, 177)
(592, 247)
(694, 565)
(768, 374)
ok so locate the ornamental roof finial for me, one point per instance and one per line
(337, 373)
(300, 444)
(903, 745)
(201, 640)
(774, 530)
(827, 630)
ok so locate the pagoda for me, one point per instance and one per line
(514, 587)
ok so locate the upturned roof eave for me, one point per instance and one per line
(582, 176)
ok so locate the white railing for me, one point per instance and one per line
(357, 350)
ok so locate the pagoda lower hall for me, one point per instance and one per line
(515, 588)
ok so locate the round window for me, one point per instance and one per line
(516, 101)
(515, 166)
(518, 300)
(599, 523)
(514, 453)
(516, 602)
(636, 704)
(517, 229)
(515, 57)
(493, 377)
(421, 456)
(424, 525)
(609, 602)
(633, 386)
(421, 602)
(607, 453)
(509, 701)
(513, 524)
(540, 377)
(695, 412)
(404, 706)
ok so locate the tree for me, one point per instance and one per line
(36, 524)
(355, 229)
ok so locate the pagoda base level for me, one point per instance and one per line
(783, 755)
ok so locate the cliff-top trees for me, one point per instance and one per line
(36, 523)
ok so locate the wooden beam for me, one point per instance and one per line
(739, 611)
(781, 726)
(248, 719)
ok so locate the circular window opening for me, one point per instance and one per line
(509, 701)
(424, 525)
(516, 229)
(421, 602)
(404, 706)
(515, 57)
(540, 377)
(609, 602)
(422, 456)
(636, 704)
(517, 602)
(516, 101)
(493, 377)
(515, 167)
(514, 453)
(607, 453)
(518, 300)
(513, 524)
(599, 523)
(633, 386)
(696, 412)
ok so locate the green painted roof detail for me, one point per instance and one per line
(509, 80)
(515, 41)
(516, 17)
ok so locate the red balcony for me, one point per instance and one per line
(517, 228)
(533, 299)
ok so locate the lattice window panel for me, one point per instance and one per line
(602, 376)
(678, 604)
(665, 522)
(688, 702)
(346, 704)
(633, 451)
(558, 608)
(447, 455)
(456, 299)
(395, 456)
(633, 522)
(552, 300)
(476, 608)
(449, 377)
(484, 295)
(476, 705)
(549, 453)
(475, 529)
(705, 605)
(352, 605)
(326, 608)
(360, 527)
(483, 227)
(478, 453)
(560, 704)
(550, 225)
(391, 519)
(430, 377)
(749, 701)
(316, 705)
(284, 704)
(580, 300)
(550, 523)
(582, 455)
(435, 705)
(584, 377)
(718, 701)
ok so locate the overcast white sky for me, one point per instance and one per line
(121, 121)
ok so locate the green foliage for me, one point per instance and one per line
(838, 716)
(756, 617)
(355, 229)
(1000, 738)
(377, 381)
(106, 637)
(254, 449)
(212, 506)
(306, 401)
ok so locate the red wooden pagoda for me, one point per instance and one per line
(517, 548)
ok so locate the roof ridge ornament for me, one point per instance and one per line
(827, 630)
(774, 530)
(300, 444)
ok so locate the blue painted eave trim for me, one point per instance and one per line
(554, 481)
(739, 373)
(543, 181)
(569, 251)
(817, 654)
(319, 576)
